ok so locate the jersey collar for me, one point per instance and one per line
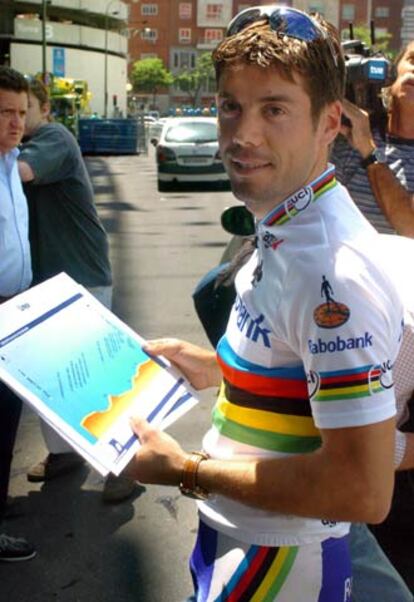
(301, 199)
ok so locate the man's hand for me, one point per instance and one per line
(25, 171)
(359, 133)
(198, 365)
(160, 459)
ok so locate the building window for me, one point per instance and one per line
(151, 35)
(348, 12)
(185, 10)
(213, 35)
(214, 11)
(148, 10)
(382, 12)
(184, 35)
(185, 59)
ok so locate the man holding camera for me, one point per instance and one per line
(376, 164)
(378, 167)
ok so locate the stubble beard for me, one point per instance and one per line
(259, 202)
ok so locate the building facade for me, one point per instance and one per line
(84, 39)
(387, 16)
(407, 31)
(178, 31)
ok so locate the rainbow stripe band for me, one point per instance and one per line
(287, 209)
(260, 576)
(349, 384)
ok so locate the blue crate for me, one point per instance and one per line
(108, 136)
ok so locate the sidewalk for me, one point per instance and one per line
(88, 551)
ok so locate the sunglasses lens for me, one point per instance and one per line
(294, 24)
(243, 20)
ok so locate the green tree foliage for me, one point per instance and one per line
(192, 81)
(149, 75)
(363, 33)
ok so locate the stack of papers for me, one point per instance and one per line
(85, 372)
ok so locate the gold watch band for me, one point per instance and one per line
(189, 485)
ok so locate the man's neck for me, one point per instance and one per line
(401, 122)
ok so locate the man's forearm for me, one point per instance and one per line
(395, 201)
(353, 483)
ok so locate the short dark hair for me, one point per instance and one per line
(12, 80)
(258, 45)
(39, 90)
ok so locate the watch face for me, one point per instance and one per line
(379, 155)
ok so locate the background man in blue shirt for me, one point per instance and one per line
(15, 272)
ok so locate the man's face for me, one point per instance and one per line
(269, 143)
(36, 114)
(13, 109)
(403, 87)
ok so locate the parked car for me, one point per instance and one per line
(155, 129)
(187, 151)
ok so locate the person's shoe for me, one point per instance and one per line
(15, 549)
(53, 466)
(117, 489)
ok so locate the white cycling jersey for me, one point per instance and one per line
(310, 345)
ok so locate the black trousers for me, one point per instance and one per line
(10, 410)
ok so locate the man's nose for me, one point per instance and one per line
(248, 131)
(17, 120)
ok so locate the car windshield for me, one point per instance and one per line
(192, 132)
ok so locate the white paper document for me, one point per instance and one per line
(84, 371)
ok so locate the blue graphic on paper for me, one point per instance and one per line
(81, 368)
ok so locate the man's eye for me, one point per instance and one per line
(228, 106)
(273, 111)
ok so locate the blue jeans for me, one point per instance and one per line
(374, 577)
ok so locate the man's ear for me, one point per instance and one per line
(331, 122)
(46, 109)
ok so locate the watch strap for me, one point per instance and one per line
(188, 485)
(373, 157)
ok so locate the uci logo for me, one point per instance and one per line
(300, 200)
(314, 381)
(386, 375)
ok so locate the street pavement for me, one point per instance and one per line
(137, 550)
(161, 244)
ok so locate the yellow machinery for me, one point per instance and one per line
(69, 100)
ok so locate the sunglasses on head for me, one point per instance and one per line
(284, 21)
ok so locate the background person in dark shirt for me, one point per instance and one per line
(65, 235)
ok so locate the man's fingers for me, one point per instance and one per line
(140, 426)
(165, 347)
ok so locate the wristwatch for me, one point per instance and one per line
(189, 486)
(376, 156)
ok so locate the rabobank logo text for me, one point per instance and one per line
(340, 344)
(251, 326)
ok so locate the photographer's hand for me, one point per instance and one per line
(359, 133)
(395, 201)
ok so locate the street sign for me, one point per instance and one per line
(59, 62)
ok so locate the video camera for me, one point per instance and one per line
(367, 72)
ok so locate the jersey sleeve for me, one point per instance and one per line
(48, 155)
(345, 323)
